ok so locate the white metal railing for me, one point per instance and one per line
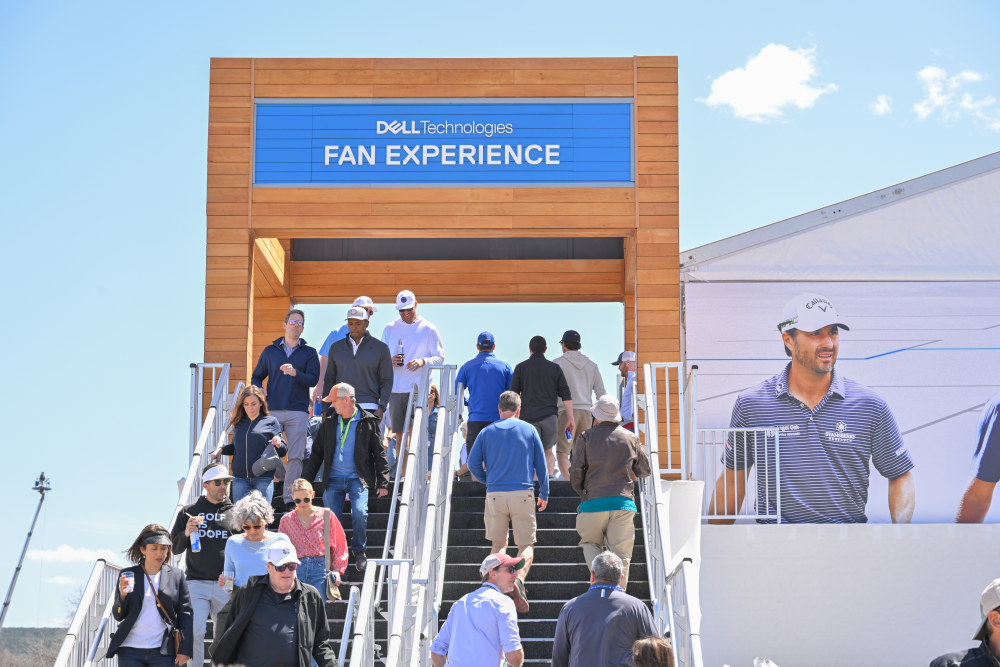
(725, 458)
(672, 586)
(86, 641)
(413, 575)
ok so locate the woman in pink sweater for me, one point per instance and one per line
(304, 528)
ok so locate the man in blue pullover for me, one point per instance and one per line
(291, 368)
(485, 377)
(506, 457)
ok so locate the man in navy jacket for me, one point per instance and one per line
(291, 368)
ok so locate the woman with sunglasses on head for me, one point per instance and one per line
(156, 606)
(305, 529)
(253, 430)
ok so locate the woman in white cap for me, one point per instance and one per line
(152, 603)
(253, 431)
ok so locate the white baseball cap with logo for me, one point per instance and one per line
(809, 312)
(281, 552)
(365, 302)
(357, 313)
(405, 300)
(217, 471)
(988, 601)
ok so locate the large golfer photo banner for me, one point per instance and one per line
(535, 143)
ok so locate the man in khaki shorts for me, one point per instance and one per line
(506, 457)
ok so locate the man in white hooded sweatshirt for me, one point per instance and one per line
(586, 386)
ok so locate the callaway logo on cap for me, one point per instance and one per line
(809, 312)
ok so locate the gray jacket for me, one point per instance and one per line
(370, 372)
(599, 627)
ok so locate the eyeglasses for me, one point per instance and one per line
(221, 482)
(298, 323)
(287, 566)
(406, 310)
(259, 526)
(307, 501)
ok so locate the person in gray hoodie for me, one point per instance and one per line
(585, 385)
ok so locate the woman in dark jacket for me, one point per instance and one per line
(145, 636)
(253, 431)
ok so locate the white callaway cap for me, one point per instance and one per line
(405, 299)
(365, 302)
(281, 552)
(809, 312)
(215, 472)
(357, 313)
(988, 601)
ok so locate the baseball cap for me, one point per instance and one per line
(606, 409)
(988, 601)
(281, 552)
(570, 337)
(365, 302)
(405, 299)
(494, 561)
(486, 338)
(357, 313)
(627, 355)
(809, 312)
(340, 390)
(215, 472)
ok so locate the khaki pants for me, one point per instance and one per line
(582, 420)
(614, 531)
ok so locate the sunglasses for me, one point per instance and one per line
(221, 482)
(307, 501)
(510, 568)
(259, 526)
(406, 310)
(296, 322)
(287, 566)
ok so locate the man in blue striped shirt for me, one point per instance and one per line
(830, 427)
(978, 496)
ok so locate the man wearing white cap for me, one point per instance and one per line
(362, 361)
(606, 460)
(481, 628)
(830, 428)
(987, 654)
(276, 619)
(414, 342)
(324, 349)
(626, 366)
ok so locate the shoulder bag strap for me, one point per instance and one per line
(326, 537)
(156, 597)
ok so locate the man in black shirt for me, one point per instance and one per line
(276, 620)
(987, 654)
(541, 383)
(209, 517)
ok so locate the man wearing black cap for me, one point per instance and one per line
(586, 385)
(486, 377)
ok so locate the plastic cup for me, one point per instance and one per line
(129, 581)
(228, 577)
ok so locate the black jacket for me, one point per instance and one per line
(542, 385)
(981, 656)
(369, 456)
(369, 371)
(312, 631)
(250, 439)
(173, 594)
(207, 564)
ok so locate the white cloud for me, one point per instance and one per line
(776, 77)
(944, 95)
(62, 581)
(67, 554)
(882, 105)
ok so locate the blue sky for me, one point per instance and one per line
(103, 125)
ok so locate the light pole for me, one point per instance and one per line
(41, 485)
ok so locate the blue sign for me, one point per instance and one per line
(527, 143)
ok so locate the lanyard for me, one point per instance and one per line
(343, 430)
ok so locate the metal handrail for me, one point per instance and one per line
(78, 645)
(352, 606)
(714, 443)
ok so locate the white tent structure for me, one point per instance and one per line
(944, 226)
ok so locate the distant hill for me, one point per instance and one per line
(30, 647)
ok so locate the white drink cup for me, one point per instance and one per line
(129, 581)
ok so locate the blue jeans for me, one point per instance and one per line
(334, 499)
(313, 572)
(143, 657)
(242, 487)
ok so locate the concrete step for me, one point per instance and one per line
(544, 538)
(470, 555)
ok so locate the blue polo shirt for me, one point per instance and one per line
(824, 453)
(333, 337)
(486, 377)
(986, 460)
(343, 456)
